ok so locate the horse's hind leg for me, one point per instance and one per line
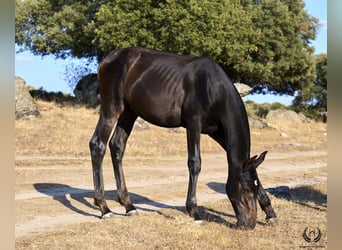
(194, 165)
(117, 147)
(98, 144)
(265, 204)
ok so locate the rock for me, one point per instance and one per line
(24, 103)
(87, 90)
(284, 135)
(141, 124)
(292, 144)
(175, 130)
(243, 89)
(257, 123)
(284, 118)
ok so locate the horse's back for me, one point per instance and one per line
(162, 87)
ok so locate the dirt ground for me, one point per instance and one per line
(54, 180)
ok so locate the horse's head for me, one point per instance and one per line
(243, 192)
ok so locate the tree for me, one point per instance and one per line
(62, 28)
(264, 43)
(186, 27)
(312, 100)
(283, 60)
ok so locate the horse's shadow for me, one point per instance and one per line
(66, 195)
(61, 193)
(303, 195)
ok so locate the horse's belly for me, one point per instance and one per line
(157, 104)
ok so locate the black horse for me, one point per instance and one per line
(170, 90)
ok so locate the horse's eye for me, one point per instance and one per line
(255, 182)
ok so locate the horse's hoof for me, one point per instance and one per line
(107, 216)
(273, 222)
(132, 213)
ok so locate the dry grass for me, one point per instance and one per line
(172, 229)
(66, 130)
(61, 130)
(62, 133)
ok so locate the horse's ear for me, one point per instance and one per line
(249, 163)
(260, 159)
(254, 162)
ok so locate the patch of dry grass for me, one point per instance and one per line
(60, 130)
(172, 229)
(66, 130)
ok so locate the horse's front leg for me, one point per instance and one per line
(117, 147)
(194, 165)
(265, 204)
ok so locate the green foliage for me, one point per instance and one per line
(261, 110)
(62, 28)
(50, 96)
(312, 100)
(185, 27)
(264, 43)
(283, 60)
(121, 23)
(250, 108)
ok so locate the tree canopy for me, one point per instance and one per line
(264, 43)
(312, 100)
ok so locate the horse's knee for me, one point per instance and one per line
(98, 142)
(194, 165)
(97, 147)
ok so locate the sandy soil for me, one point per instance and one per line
(56, 191)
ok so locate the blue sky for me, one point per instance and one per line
(49, 73)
